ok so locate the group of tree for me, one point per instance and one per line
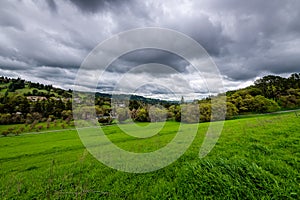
(16, 106)
(267, 94)
(19, 109)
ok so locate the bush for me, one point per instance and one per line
(105, 120)
(5, 118)
(63, 126)
(22, 128)
(5, 133)
(39, 128)
(17, 132)
(11, 129)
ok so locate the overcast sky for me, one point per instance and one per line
(47, 40)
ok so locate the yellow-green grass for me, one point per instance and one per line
(255, 158)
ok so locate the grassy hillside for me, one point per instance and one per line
(255, 158)
(18, 86)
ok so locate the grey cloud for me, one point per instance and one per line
(11, 20)
(256, 29)
(144, 56)
(202, 29)
(245, 38)
(51, 75)
(9, 63)
(52, 5)
(153, 89)
(93, 6)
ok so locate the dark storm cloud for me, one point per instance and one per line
(203, 30)
(264, 37)
(52, 5)
(144, 56)
(93, 6)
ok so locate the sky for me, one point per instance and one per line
(47, 41)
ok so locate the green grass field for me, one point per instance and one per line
(255, 158)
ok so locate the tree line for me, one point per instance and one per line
(268, 94)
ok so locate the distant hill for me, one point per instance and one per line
(13, 86)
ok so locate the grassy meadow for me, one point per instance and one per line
(255, 158)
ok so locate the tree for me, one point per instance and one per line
(182, 100)
(264, 105)
(133, 114)
(205, 112)
(190, 113)
(142, 115)
(294, 80)
(271, 86)
(289, 101)
(173, 111)
(231, 110)
(134, 104)
(248, 103)
(237, 100)
(34, 92)
(122, 114)
(157, 113)
(66, 114)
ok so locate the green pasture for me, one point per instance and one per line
(254, 158)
